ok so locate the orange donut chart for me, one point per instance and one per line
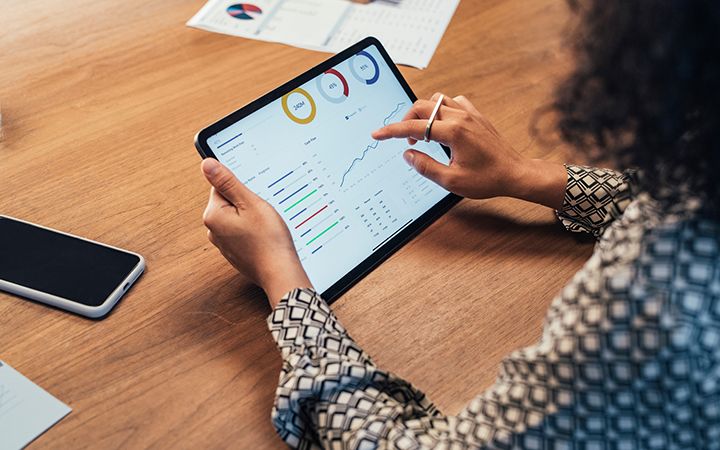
(290, 114)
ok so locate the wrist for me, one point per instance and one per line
(540, 181)
(281, 277)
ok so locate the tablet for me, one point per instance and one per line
(349, 201)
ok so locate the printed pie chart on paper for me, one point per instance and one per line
(244, 11)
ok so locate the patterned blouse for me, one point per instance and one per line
(629, 357)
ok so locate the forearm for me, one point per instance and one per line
(586, 199)
(331, 395)
(330, 392)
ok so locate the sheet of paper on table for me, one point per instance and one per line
(410, 30)
(26, 410)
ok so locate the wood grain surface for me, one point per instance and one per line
(100, 101)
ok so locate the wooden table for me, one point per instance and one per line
(100, 102)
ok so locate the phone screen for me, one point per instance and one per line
(61, 265)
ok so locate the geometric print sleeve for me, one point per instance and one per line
(330, 393)
(629, 358)
(594, 198)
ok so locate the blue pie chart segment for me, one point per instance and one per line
(244, 11)
(364, 67)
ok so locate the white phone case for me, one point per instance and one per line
(70, 305)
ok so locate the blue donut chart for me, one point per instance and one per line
(371, 80)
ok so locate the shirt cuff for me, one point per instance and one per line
(594, 198)
(303, 320)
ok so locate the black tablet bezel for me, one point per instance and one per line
(405, 234)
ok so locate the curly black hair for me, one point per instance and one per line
(645, 92)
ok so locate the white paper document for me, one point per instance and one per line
(410, 30)
(26, 410)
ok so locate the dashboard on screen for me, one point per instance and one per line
(310, 154)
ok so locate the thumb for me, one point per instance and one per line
(428, 167)
(224, 181)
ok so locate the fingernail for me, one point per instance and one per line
(210, 167)
(409, 156)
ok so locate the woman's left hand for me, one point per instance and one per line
(250, 234)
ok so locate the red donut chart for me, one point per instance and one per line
(327, 95)
(346, 88)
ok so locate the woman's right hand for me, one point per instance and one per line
(483, 164)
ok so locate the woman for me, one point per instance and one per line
(630, 354)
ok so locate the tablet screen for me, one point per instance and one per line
(309, 153)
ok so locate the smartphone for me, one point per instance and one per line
(69, 272)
